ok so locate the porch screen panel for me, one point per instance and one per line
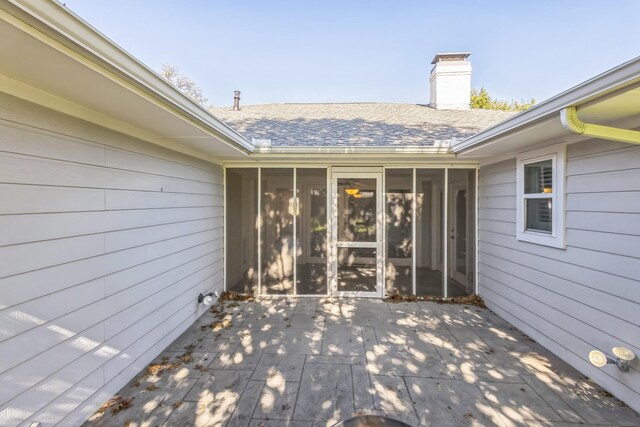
(398, 231)
(311, 232)
(277, 248)
(429, 232)
(357, 210)
(461, 232)
(241, 261)
(357, 269)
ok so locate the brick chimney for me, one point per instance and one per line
(450, 81)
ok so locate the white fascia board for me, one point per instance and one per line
(62, 25)
(615, 79)
(386, 150)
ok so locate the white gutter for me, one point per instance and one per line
(62, 25)
(615, 79)
(571, 122)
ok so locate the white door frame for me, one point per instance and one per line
(453, 232)
(334, 244)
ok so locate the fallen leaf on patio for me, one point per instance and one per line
(158, 368)
(116, 404)
(605, 393)
(185, 358)
(151, 387)
(469, 415)
(235, 296)
(135, 384)
(286, 407)
(177, 405)
(218, 325)
(397, 297)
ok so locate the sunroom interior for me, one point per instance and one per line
(312, 231)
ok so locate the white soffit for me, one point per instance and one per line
(36, 60)
(610, 99)
(620, 107)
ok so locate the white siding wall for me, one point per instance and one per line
(105, 243)
(584, 297)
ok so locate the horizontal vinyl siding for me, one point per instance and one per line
(105, 243)
(583, 297)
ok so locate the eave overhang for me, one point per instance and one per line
(609, 99)
(438, 152)
(52, 57)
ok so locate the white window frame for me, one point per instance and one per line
(557, 155)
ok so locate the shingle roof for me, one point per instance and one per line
(356, 124)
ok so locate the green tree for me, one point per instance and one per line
(183, 83)
(482, 100)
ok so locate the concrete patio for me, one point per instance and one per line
(316, 361)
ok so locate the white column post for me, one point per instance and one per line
(445, 243)
(295, 231)
(259, 231)
(414, 217)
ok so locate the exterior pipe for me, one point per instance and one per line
(571, 122)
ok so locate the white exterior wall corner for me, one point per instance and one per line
(586, 296)
(105, 243)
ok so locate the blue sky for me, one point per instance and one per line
(347, 51)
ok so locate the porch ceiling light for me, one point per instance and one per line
(352, 191)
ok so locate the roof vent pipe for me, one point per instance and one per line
(236, 100)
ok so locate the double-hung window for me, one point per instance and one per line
(540, 192)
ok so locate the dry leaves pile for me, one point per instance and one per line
(158, 368)
(235, 296)
(474, 300)
(166, 364)
(116, 404)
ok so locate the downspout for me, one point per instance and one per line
(571, 122)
